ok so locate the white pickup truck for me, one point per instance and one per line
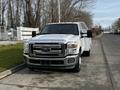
(58, 46)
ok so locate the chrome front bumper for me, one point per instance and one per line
(63, 63)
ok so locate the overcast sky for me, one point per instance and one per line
(106, 12)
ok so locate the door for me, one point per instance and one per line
(85, 41)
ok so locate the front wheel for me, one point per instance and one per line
(86, 53)
(77, 66)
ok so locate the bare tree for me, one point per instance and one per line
(10, 14)
(36, 13)
(116, 26)
(3, 8)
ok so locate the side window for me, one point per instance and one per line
(83, 28)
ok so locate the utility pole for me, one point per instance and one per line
(59, 12)
(1, 12)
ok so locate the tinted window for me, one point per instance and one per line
(61, 29)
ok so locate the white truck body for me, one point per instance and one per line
(44, 44)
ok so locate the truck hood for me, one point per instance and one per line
(53, 38)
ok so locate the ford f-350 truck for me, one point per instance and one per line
(58, 46)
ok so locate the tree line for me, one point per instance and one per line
(116, 26)
(36, 13)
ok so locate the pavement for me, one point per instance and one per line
(111, 45)
(100, 71)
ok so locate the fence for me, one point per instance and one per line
(3, 33)
(22, 33)
(25, 33)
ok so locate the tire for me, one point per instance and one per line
(80, 52)
(86, 53)
(77, 66)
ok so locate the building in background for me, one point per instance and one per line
(96, 30)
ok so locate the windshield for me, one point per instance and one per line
(61, 29)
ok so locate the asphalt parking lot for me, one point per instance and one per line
(111, 45)
(95, 74)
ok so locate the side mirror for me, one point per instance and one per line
(33, 33)
(89, 34)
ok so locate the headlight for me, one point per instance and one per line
(72, 47)
(26, 48)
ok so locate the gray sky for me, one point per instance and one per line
(106, 12)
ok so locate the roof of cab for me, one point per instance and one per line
(66, 23)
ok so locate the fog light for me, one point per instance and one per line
(71, 60)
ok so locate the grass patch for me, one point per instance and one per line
(10, 56)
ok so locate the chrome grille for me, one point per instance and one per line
(47, 50)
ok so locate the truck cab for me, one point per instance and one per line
(58, 46)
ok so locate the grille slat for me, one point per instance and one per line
(46, 62)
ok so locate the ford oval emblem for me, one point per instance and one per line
(46, 49)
